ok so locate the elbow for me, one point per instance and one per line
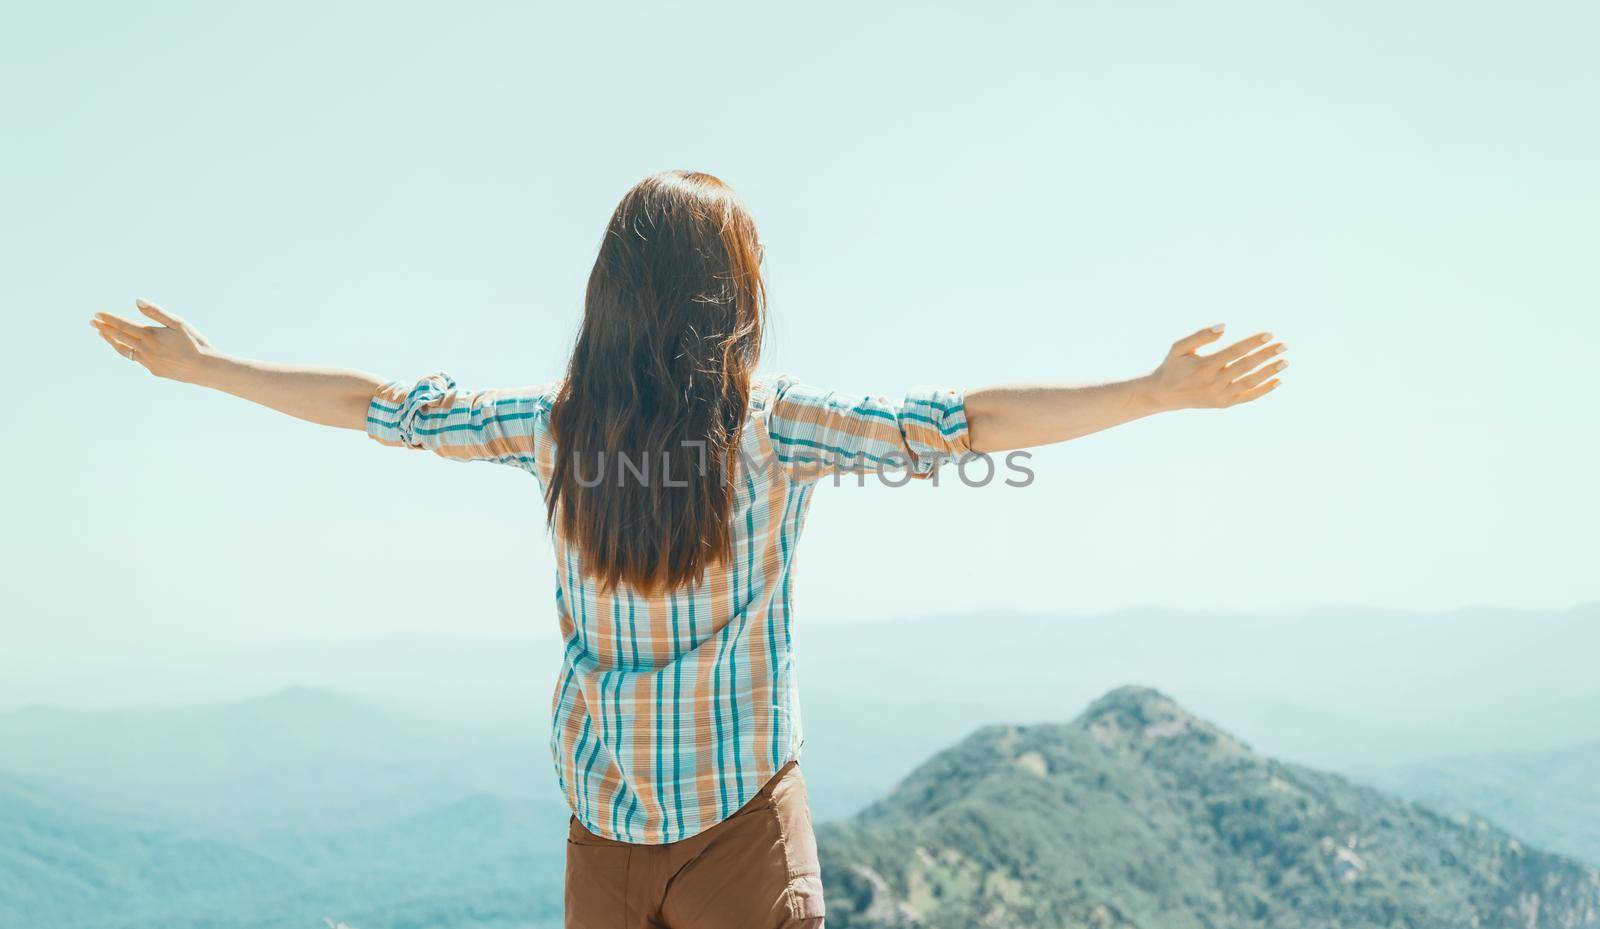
(978, 438)
(986, 444)
(986, 428)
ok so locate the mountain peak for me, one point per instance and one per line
(304, 695)
(1134, 715)
(1134, 697)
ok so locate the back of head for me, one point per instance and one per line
(647, 421)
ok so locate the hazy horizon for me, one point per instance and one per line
(56, 676)
(1407, 683)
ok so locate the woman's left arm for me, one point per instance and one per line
(1008, 416)
(175, 350)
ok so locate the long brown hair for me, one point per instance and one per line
(647, 422)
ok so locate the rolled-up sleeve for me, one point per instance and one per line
(433, 414)
(817, 432)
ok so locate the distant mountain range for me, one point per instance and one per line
(279, 810)
(296, 754)
(1139, 815)
(1549, 798)
(1337, 687)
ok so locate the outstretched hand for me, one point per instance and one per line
(173, 349)
(1242, 372)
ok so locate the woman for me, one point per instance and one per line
(676, 484)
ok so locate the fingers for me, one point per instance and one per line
(1255, 393)
(123, 348)
(1250, 381)
(124, 330)
(1255, 375)
(158, 314)
(1190, 343)
(1240, 348)
(1254, 360)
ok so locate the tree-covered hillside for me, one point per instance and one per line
(275, 812)
(1138, 814)
(481, 862)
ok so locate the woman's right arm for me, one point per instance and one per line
(1023, 415)
(431, 413)
(175, 350)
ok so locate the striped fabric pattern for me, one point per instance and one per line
(671, 712)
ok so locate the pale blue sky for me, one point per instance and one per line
(1406, 194)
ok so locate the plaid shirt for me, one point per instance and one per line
(670, 712)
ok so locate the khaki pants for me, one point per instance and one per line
(757, 869)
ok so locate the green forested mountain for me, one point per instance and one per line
(63, 863)
(1138, 814)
